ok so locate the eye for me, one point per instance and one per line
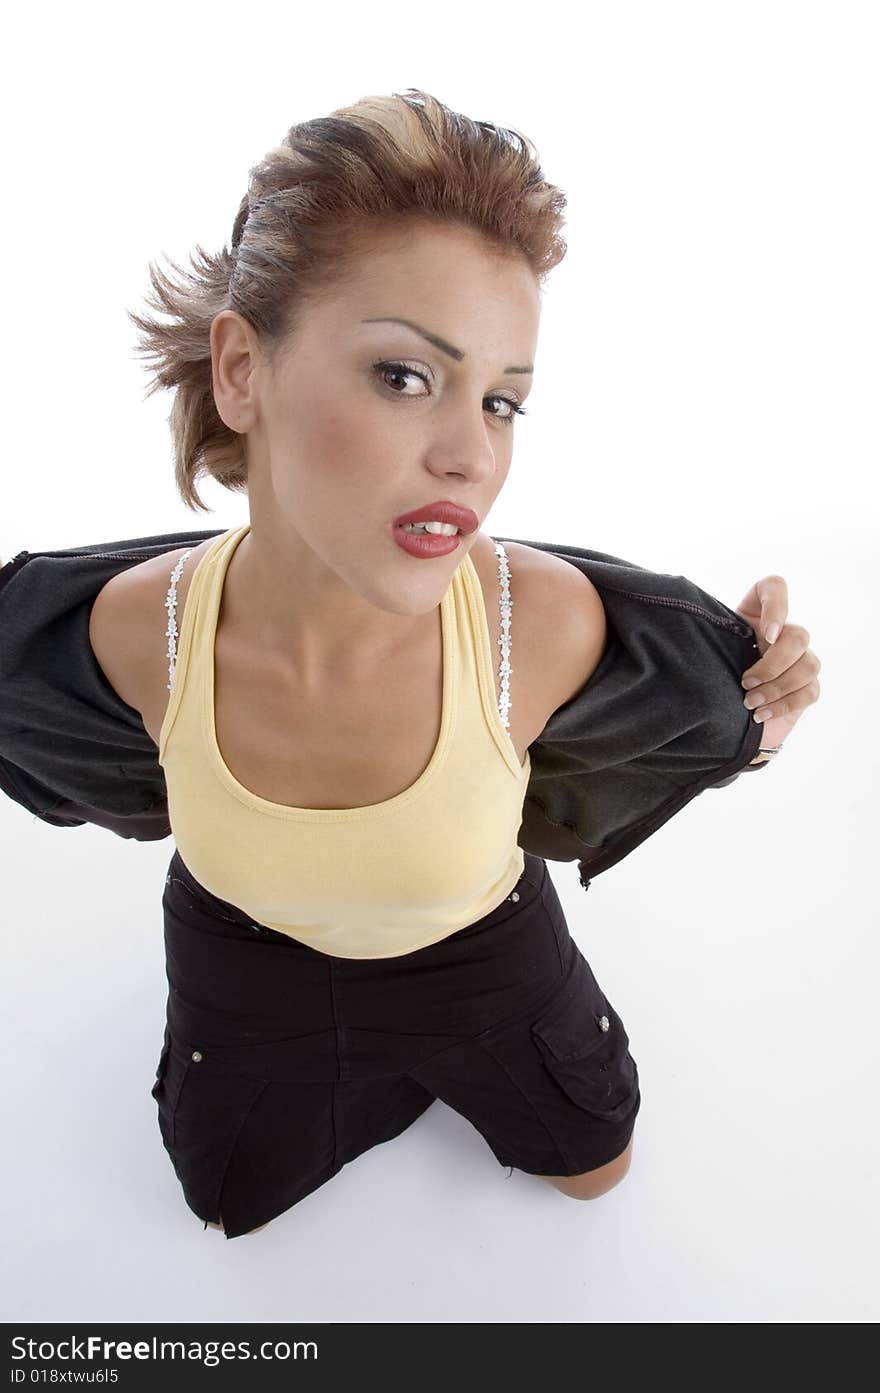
(389, 369)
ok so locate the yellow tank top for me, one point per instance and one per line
(369, 882)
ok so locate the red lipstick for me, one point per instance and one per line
(465, 519)
(426, 544)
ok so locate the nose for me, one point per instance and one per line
(467, 451)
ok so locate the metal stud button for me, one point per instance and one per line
(604, 1023)
(196, 1055)
(514, 896)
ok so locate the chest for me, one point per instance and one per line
(358, 744)
(359, 741)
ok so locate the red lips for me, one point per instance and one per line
(465, 519)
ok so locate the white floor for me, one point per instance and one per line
(746, 979)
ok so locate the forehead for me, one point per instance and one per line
(446, 247)
(443, 276)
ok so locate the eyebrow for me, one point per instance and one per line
(435, 339)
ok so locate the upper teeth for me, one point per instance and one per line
(442, 529)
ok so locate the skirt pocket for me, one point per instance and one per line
(170, 1075)
(585, 1048)
(202, 1110)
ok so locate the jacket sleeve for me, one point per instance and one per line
(746, 769)
(41, 802)
(71, 750)
(659, 720)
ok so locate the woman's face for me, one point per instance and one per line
(360, 420)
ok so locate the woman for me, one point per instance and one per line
(351, 927)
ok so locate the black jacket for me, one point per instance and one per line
(660, 719)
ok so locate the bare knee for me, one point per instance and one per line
(590, 1184)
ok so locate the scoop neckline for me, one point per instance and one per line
(222, 557)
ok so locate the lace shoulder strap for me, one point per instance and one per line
(171, 607)
(506, 603)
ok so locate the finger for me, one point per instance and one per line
(780, 702)
(794, 680)
(773, 594)
(776, 726)
(775, 730)
(792, 645)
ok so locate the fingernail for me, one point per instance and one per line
(750, 682)
(772, 633)
(763, 715)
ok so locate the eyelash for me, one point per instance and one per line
(404, 370)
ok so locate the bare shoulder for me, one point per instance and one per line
(559, 617)
(127, 629)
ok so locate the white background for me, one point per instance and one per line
(705, 403)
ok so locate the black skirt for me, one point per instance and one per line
(280, 1063)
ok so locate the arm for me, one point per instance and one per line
(116, 632)
(127, 635)
(575, 630)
